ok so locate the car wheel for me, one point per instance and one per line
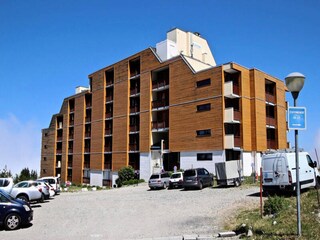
(164, 185)
(200, 185)
(41, 200)
(236, 183)
(23, 197)
(12, 221)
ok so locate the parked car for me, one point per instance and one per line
(44, 189)
(159, 180)
(197, 178)
(279, 171)
(6, 184)
(14, 212)
(27, 191)
(54, 182)
(176, 180)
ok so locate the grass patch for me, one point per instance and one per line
(282, 223)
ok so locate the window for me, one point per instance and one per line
(204, 83)
(205, 132)
(204, 107)
(204, 157)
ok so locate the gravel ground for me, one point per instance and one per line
(134, 213)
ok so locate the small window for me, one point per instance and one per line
(204, 107)
(205, 132)
(44, 158)
(204, 157)
(204, 83)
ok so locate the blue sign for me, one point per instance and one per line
(297, 118)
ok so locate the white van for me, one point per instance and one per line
(279, 171)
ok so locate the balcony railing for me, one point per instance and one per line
(109, 115)
(71, 122)
(158, 125)
(134, 109)
(232, 115)
(59, 138)
(108, 131)
(271, 144)
(133, 147)
(69, 164)
(88, 105)
(70, 150)
(58, 151)
(108, 83)
(88, 119)
(134, 91)
(231, 141)
(160, 103)
(108, 148)
(159, 84)
(231, 89)
(86, 165)
(134, 128)
(87, 149)
(271, 121)
(109, 98)
(270, 98)
(70, 136)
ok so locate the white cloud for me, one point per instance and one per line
(20, 144)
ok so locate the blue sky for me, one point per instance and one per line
(47, 48)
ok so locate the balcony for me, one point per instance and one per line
(271, 121)
(58, 151)
(231, 90)
(71, 122)
(231, 141)
(70, 150)
(134, 91)
(109, 83)
(88, 105)
(271, 144)
(160, 103)
(69, 164)
(133, 147)
(109, 115)
(87, 150)
(232, 115)
(134, 109)
(109, 98)
(270, 98)
(108, 131)
(59, 138)
(160, 84)
(160, 125)
(134, 128)
(108, 148)
(88, 119)
(71, 136)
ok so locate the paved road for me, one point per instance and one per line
(133, 213)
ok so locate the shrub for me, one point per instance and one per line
(275, 204)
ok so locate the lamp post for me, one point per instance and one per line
(294, 83)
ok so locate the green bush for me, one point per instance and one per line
(275, 204)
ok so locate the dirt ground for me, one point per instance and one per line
(134, 213)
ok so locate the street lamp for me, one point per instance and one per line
(294, 83)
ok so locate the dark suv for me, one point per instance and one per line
(197, 178)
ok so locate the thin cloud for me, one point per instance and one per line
(19, 144)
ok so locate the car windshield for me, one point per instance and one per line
(190, 173)
(7, 195)
(176, 175)
(155, 176)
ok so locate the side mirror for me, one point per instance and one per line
(315, 164)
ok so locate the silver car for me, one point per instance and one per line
(159, 180)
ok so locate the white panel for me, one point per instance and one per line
(96, 178)
(145, 166)
(189, 160)
(248, 163)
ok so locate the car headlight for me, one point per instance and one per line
(27, 208)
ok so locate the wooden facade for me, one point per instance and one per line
(94, 147)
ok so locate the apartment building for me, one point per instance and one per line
(164, 107)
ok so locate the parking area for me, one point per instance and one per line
(134, 213)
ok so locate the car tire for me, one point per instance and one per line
(164, 185)
(236, 183)
(12, 221)
(200, 185)
(41, 200)
(23, 197)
